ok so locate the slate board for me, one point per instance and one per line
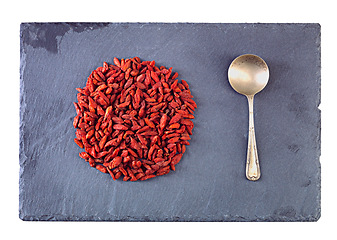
(209, 183)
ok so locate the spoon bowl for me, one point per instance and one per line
(248, 74)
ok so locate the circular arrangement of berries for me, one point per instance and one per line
(133, 119)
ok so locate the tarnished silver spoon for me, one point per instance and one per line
(248, 74)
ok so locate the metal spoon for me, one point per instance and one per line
(248, 74)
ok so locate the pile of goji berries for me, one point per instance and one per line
(133, 119)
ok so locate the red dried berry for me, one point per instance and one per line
(133, 119)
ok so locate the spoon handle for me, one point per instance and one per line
(252, 165)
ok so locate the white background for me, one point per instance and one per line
(13, 12)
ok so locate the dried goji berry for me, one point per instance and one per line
(133, 119)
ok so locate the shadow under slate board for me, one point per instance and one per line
(209, 183)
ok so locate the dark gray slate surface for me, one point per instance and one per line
(209, 183)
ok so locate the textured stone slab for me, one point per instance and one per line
(209, 183)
